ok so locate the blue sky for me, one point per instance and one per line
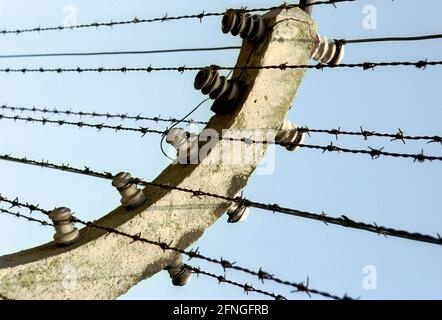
(391, 192)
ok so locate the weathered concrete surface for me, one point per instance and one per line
(106, 265)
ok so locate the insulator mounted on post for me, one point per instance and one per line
(178, 272)
(290, 136)
(131, 196)
(65, 231)
(184, 142)
(328, 51)
(224, 91)
(237, 212)
(251, 27)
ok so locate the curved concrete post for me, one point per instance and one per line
(105, 266)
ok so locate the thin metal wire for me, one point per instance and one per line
(165, 18)
(105, 53)
(343, 220)
(422, 64)
(391, 39)
(183, 119)
(192, 254)
(399, 135)
(372, 152)
(202, 49)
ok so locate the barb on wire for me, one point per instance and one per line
(93, 114)
(343, 220)
(246, 287)
(422, 64)
(192, 254)
(166, 17)
(374, 153)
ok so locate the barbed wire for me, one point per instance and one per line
(422, 64)
(21, 216)
(164, 18)
(192, 254)
(343, 220)
(398, 136)
(221, 279)
(107, 115)
(246, 287)
(196, 270)
(80, 124)
(372, 152)
(391, 39)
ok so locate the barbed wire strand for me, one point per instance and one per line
(246, 287)
(221, 279)
(398, 136)
(343, 220)
(372, 152)
(21, 216)
(422, 64)
(94, 114)
(136, 20)
(192, 254)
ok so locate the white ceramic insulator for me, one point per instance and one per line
(178, 272)
(326, 51)
(185, 143)
(237, 212)
(131, 196)
(65, 231)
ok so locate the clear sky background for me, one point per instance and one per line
(391, 192)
